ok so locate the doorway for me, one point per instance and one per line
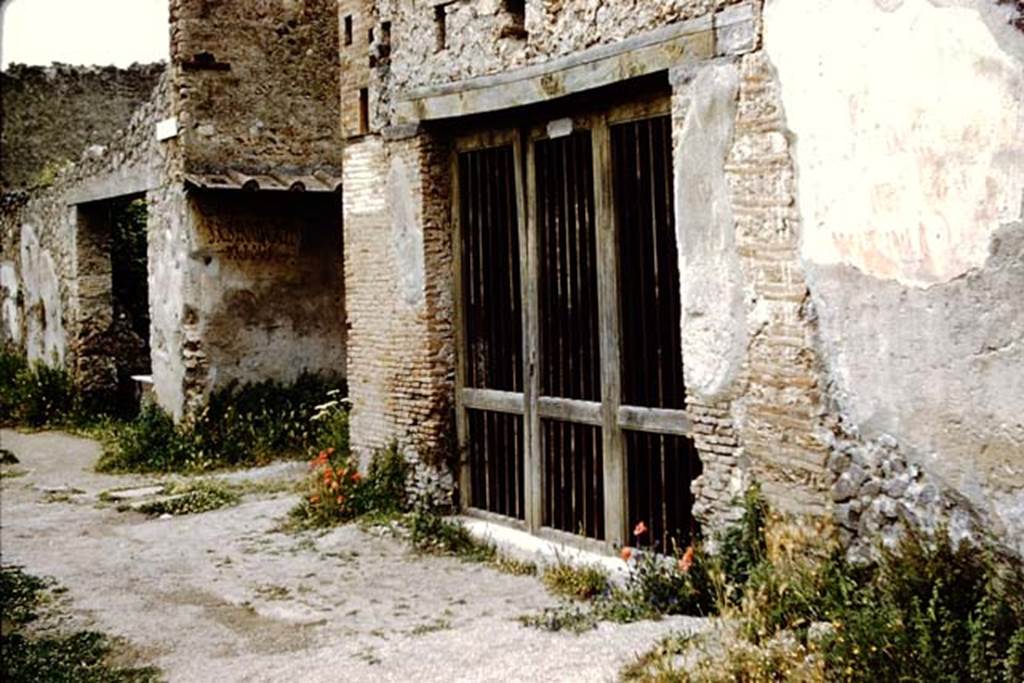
(570, 393)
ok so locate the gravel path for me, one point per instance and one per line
(223, 596)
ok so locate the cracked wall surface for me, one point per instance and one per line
(913, 233)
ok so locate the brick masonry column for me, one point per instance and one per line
(398, 289)
(749, 335)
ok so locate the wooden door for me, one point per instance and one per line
(570, 395)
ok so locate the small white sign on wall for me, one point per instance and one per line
(559, 128)
(167, 129)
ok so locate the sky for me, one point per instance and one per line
(98, 32)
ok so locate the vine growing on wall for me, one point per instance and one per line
(129, 265)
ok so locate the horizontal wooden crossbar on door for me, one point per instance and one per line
(637, 418)
(570, 404)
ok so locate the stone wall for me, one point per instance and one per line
(51, 113)
(51, 277)
(484, 37)
(258, 84)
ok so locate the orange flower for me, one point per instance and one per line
(329, 452)
(340, 499)
(626, 554)
(356, 476)
(640, 529)
(686, 561)
(314, 499)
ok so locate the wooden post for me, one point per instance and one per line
(528, 245)
(461, 420)
(608, 327)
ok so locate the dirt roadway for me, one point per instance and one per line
(221, 596)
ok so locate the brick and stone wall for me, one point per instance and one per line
(51, 113)
(484, 37)
(398, 288)
(363, 45)
(258, 84)
(51, 277)
(801, 375)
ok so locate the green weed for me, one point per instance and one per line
(28, 653)
(240, 426)
(192, 497)
(578, 582)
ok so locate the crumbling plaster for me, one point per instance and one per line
(712, 311)
(44, 334)
(910, 154)
(264, 295)
(11, 311)
(910, 167)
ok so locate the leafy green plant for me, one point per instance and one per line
(514, 567)
(35, 395)
(334, 493)
(572, 618)
(932, 611)
(254, 423)
(743, 545)
(430, 532)
(12, 364)
(331, 420)
(929, 609)
(337, 492)
(240, 425)
(149, 443)
(192, 497)
(22, 594)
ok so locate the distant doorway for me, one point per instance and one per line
(112, 343)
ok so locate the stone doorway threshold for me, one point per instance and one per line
(524, 546)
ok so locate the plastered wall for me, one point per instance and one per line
(263, 296)
(913, 238)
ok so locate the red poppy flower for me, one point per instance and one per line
(686, 561)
